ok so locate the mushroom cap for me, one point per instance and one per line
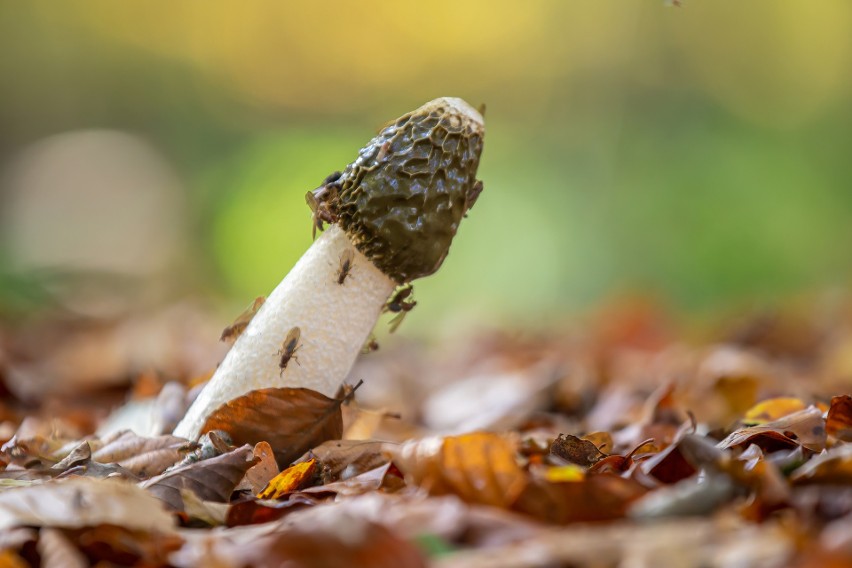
(402, 199)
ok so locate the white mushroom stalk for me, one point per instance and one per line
(393, 214)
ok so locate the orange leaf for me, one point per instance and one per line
(478, 467)
(289, 480)
(772, 409)
(839, 421)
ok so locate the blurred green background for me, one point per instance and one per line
(698, 154)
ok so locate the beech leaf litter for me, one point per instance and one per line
(623, 441)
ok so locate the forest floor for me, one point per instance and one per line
(615, 442)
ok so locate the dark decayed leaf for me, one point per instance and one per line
(669, 465)
(292, 420)
(576, 450)
(839, 420)
(211, 480)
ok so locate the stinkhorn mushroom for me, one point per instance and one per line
(393, 214)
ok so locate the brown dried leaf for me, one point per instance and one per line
(839, 421)
(372, 480)
(253, 512)
(211, 480)
(80, 502)
(804, 428)
(478, 467)
(595, 498)
(80, 455)
(258, 476)
(292, 420)
(575, 450)
(342, 459)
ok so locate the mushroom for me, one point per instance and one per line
(393, 214)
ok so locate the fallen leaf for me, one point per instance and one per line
(127, 445)
(211, 480)
(603, 441)
(292, 420)
(110, 545)
(253, 511)
(342, 459)
(833, 466)
(839, 420)
(576, 450)
(596, 497)
(289, 480)
(372, 480)
(771, 410)
(207, 512)
(9, 559)
(258, 476)
(80, 502)
(804, 428)
(79, 455)
(478, 467)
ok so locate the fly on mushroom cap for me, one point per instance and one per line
(402, 199)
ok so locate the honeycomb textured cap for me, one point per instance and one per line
(402, 199)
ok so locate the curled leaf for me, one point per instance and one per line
(289, 480)
(576, 450)
(804, 428)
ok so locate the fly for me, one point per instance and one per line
(289, 348)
